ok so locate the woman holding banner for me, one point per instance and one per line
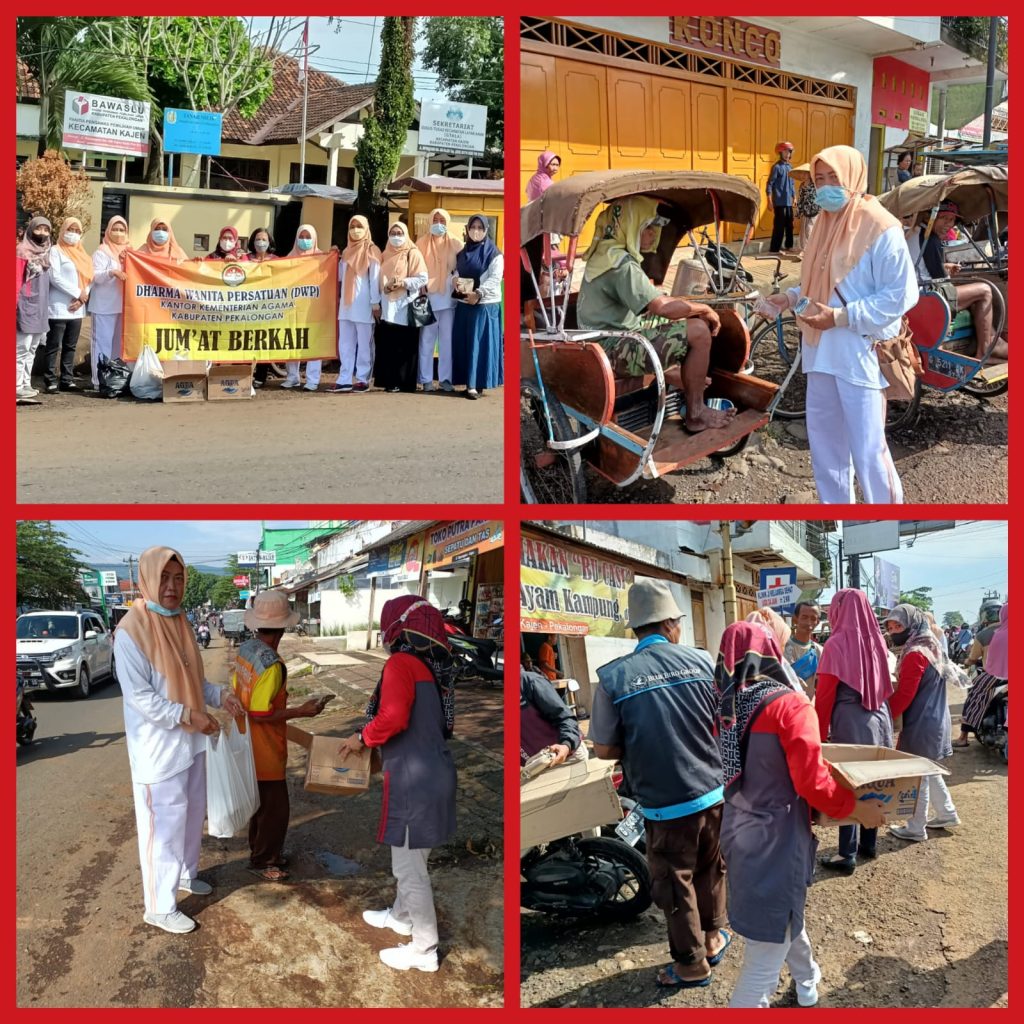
(227, 247)
(161, 242)
(305, 245)
(359, 282)
(106, 302)
(261, 249)
(403, 273)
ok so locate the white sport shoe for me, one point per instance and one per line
(385, 919)
(903, 832)
(404, 958)
(807, 991)
(944, 822)
(175, 922)
(27, 392)
(196, 886)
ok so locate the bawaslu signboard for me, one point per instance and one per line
(562, 590)
(105, 124)
(232, 312)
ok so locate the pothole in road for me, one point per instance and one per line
(337, 865)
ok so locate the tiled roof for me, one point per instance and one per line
(280, 117)
(28, 87)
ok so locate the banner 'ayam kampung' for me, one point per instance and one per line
(232, 312)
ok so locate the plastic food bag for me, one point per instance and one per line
(147, 381)
(114, 375)
(232, 796)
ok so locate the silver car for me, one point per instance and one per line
(63, 650)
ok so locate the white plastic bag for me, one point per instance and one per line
(232, 796)
(147, 380)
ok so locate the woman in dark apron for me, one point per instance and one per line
(853, 687)
(920, 698)
(410, 717)
(774, 774)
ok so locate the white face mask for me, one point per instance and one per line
(395, 240)
(72, 237)
(438, 229)
(227, 244)
(261, 245)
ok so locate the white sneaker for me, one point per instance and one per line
(903, 832)
(385, 919)
(196, 886)
(944, 822)
(290, 384)
(175, 922)
(28, 392)
(807, 991)
(404, 958)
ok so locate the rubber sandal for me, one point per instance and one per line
(676, 982)
(271, 873)
(715, 960)
(959, 745)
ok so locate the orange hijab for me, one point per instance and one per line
(401, 261)
(167, 641)
(81, 259)
(439, 254)
(357, 257)
(169, 251)
(840, 239)
(117, 251)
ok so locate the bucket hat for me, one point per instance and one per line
(270, 610)
(651, 601)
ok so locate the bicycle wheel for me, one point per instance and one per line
(773, 348)
(900, 414)
(546, 476)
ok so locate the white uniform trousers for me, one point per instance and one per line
(170, 816)
(440, 332)
(313, 368)
(933, 795)
(414, 897)
(26, 354)
(846, 433)
(106, 333)
(355, 350)
(762, 965)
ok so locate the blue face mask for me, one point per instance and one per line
(305, 244)
(160, 237)
(161, 610)
(437, 230)
(831, 198)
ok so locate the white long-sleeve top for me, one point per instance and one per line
(393, 307)
(158, 747)
(107, 293)
(878, 291)
(367, 294)
(64, 287)
(490, 281)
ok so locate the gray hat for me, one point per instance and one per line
(651, 601)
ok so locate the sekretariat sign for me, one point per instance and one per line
(727, 37)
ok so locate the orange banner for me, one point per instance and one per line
(232, 312)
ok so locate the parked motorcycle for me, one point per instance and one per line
(477, 658)
(203, 636)
(26, 720)
(994, 729)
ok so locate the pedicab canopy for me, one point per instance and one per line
(972, 189)
(700, 197)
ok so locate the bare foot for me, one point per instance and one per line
(704, 418)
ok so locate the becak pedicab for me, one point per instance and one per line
(946, 338)
(600, 396)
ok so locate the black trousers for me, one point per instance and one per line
(783, 225)
(61, 342)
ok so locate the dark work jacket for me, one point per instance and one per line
(544, 718)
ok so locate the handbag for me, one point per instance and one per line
(898, 359)
(420, 314)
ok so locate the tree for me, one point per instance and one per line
(384, 131)
(920, 597)
(952, 619)
(224, 593)
(468, 57)
(48, 567)
(49, 186)
(198, 587)
(971, 34)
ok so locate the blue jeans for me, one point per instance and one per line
(848, 839)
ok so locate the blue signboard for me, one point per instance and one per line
(192, 131)
(784, 576)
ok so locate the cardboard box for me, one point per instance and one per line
(566, 800)
(326, 770)
(184, 380)
(878, 773)
(229, 380)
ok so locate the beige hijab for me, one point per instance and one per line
(167, 641)
(401, 261)
(296, 251)
(76, 253)
(117, 251)
(170, 250)
(775, 622)
(841, 239)
(439, 254)
(357, 257)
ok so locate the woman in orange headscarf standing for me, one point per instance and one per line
(358, 307)
(402, 274)
(440, 250)
(859, 277)
(70, 283)
(106, 303)
(160, 672)
(161, 242)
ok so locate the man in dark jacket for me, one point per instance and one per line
(545, 720)
(654, 710)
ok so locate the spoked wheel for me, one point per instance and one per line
(632, 879)
(976, 387)
(771, 356)
(982, 390)
(899, 414)
(546, 476)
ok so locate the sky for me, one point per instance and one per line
(353, 52)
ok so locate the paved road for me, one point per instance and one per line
(81, 940)
(280, 446)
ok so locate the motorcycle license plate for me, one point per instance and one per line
(631, 828)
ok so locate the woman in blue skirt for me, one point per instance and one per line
(477, 350)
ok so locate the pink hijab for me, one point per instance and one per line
(997, 654)
(541, 181)
(855, 651)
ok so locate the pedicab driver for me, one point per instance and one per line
(615, 290)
